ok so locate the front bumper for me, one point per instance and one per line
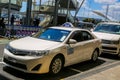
(111, 49)
(27, 64)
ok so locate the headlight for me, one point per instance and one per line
(38, 53)
(27, 53)
(8, 46)
(115, 42)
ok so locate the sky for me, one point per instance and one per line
(94, 5)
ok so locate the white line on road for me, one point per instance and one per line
(1, 62)
(75, 70)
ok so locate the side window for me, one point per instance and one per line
(77, 36)
(86, 36)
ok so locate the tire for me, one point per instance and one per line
(94, 56)
(56, 65)
(118, 54)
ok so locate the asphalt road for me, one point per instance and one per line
(83, 69)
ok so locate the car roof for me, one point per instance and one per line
(112, 23)
(68, 28)
(85, 22)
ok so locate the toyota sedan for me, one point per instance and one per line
(50, 51)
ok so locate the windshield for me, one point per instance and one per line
(108, 28)
(54, 35)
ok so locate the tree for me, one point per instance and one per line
(91, 20)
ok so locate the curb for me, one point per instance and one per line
(97, 73)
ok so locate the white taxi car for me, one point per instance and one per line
(109, 32)
(55, 48)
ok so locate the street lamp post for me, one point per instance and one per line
(28, 13)
(39, 5)
(107, 9)
(0, 11)
(9, 9)
(78, 10)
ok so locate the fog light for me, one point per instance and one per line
(36, 68)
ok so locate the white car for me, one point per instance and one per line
(109, 32)
(55, 48)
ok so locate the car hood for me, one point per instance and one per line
(107, 36)
(30, 43)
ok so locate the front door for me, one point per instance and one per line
(82, 49)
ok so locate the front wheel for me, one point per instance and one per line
(94, 56)
(56, 65)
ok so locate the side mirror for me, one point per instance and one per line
(91, 30)
(72, 41)
(32, 34)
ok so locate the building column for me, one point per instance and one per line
(68, 11)
(55, 19)
(9, 10)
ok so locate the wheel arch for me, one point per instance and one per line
(62, 56)
(94, 55)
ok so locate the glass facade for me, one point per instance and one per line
(17, 2)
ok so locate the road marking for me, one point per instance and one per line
(0, 59)
(75, 70)
(4, 41)
(1, 62)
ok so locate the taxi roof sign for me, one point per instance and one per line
(67, 24)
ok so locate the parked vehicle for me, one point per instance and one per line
(85, 25)
(50, 51)
(109, 32)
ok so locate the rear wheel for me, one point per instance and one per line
(56, 65)
(118, 53)
(94, 56)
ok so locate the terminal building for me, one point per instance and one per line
(58, 11)
(14, 5)
(55, 11)
(9, 7)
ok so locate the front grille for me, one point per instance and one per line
(15, 64)
(109, 48)
(109, 52)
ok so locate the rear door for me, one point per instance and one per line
(88, 45)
